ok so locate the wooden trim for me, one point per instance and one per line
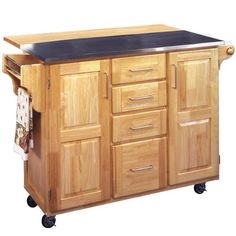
(79, 67)
(33, 78)
(54, 142)
(20, 40)
(36, 168)
(104, 116)
(80, 133)
(137, 195)
(225, 52)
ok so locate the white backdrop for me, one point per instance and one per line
(175, 212)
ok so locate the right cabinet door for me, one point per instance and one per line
(193, 115)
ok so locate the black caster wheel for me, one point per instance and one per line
(31, 202)
(48, 221)
(200, 188)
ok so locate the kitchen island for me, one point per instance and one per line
(118, 113)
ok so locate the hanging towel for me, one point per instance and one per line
(24, 124)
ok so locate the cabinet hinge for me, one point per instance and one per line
(49, 195)
(219, 159)
(49, 83)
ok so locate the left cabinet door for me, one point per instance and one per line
(80, 156)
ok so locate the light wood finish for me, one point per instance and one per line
(36, 169)
(80, 114)
(79, 133)
(31, 76)
(139, 125)
(193, 115)
(79, 100)
(34, 80)
(225, 52)
(47, 37)
(138, 68)
(80, 172)
(79, 67)
(82, 150)
(34, 178)
(140, 96)
(137, 166)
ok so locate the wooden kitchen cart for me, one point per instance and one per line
(118, 113)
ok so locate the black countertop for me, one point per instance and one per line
(110, 46)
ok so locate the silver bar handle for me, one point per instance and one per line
(141, 69)
(141, 98)
(148, 126)
(107, 85)
(140, 169)
(176, 76)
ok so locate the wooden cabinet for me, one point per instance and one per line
(193, 115)
(79, 134)
(139, 130)
(130, 124)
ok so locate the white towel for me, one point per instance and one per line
(24, 124)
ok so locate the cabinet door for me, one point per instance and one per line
(80, 134)
(193, 115)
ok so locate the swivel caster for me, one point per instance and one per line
(200, 188)
(31, 202)
(48, 221)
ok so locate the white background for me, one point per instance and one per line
(175, 212)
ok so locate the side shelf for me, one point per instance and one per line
(28, 72)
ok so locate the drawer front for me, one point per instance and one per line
(141, 96)
(139, 166)
(139, 125)
(140, 68)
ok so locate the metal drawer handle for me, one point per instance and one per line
(141, 69)
(148, 126)
(141, 98)
(175, 76)
(107, 85)
(141, 168)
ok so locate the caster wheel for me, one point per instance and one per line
(200, 188)
(31, 202)
(48, 221)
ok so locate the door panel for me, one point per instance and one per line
(80, 166)
(193, 115)
(194, 143)
(194, 88)
(79, 100)
(80, 135)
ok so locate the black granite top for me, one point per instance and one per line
(110, 46)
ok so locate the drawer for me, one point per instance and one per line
(139, 166)
(139, 125)
(140, 68)
(140, 96)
